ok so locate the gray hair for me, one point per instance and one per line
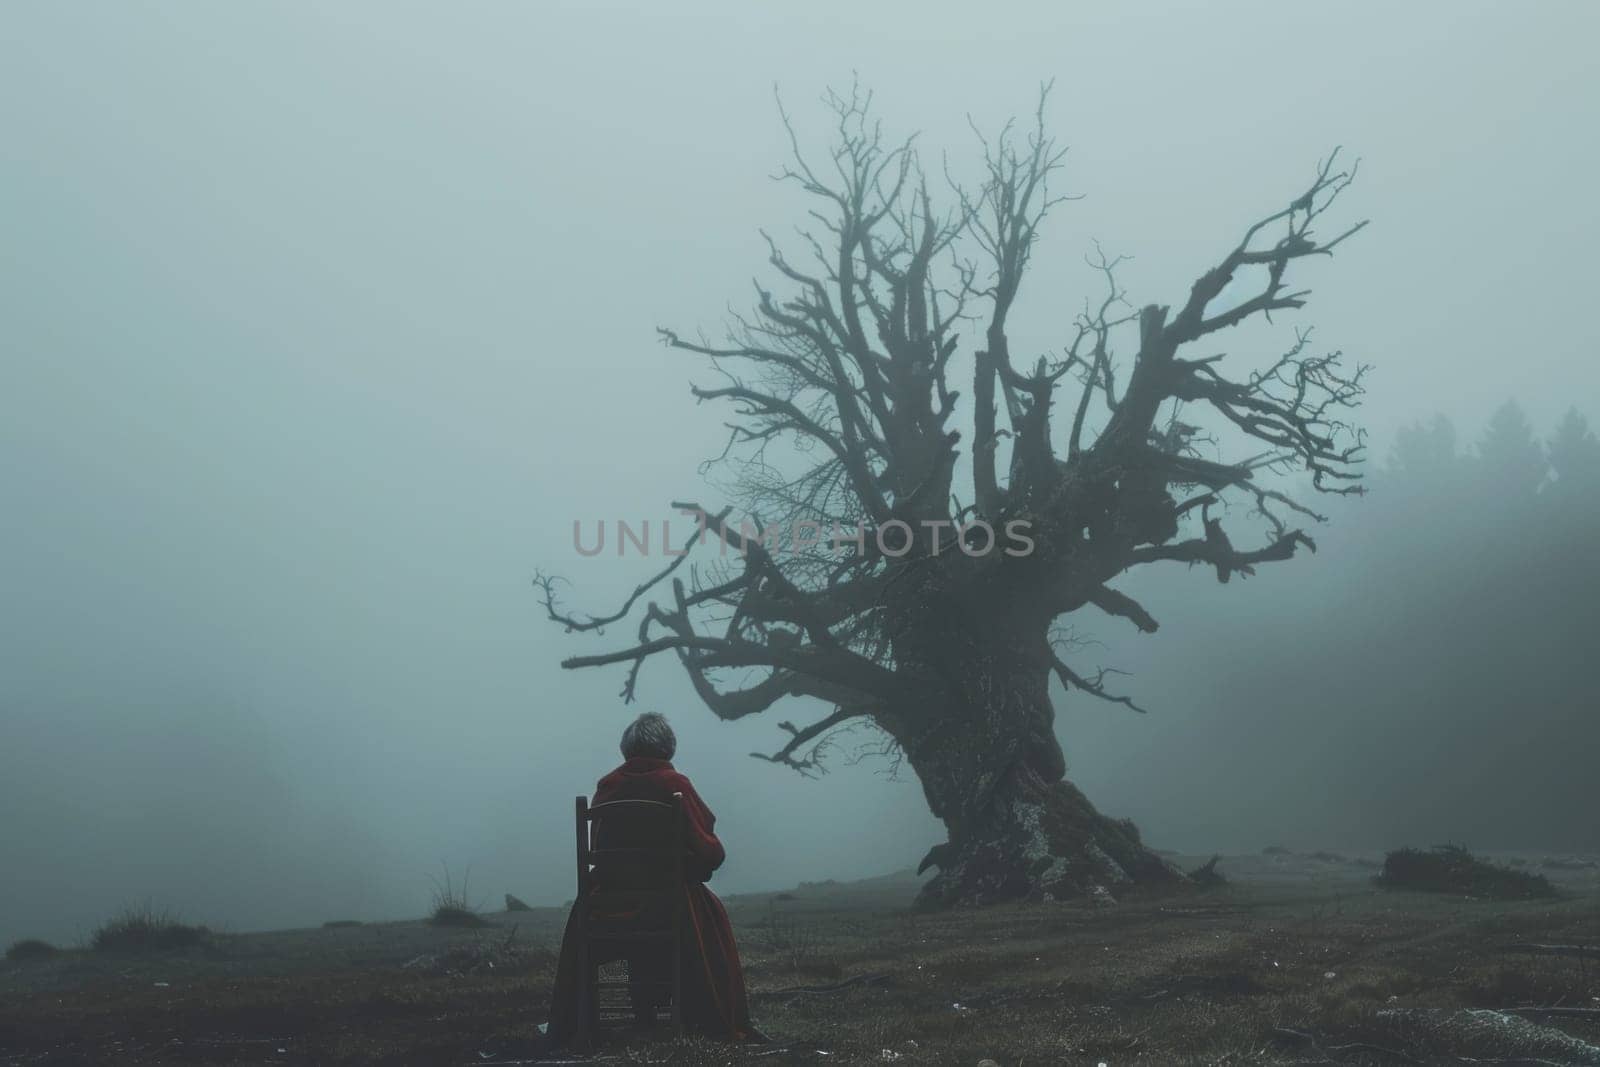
(649, 735)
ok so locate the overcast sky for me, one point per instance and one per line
(321, 323)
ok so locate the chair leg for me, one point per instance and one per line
(583, 1031)
(677, 986)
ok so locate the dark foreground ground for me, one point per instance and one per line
(1298, 960)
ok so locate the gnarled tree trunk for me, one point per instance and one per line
(1040, 840)
(993, 771)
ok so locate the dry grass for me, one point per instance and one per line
(30, 949)
(142, 928)
(451, 907)
(1452, 869)
(1296, 961)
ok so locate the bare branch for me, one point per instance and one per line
(839, 411)
(1112, 602)
(810, 765)
(1093, 686)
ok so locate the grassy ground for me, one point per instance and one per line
(1297, 960)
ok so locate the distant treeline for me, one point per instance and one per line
(1429, 675)
(1487, 621)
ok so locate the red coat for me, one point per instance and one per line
(641, 778)
(714, 995)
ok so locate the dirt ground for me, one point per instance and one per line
(1297, 960)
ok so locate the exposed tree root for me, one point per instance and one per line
(1044, 842)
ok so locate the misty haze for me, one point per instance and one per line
(355, 359)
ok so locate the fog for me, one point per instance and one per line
(320, 325)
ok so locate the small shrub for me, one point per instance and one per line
(30, 949)
(1452, 869)
(451, 906)
(144, 929)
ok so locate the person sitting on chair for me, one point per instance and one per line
(714, 997)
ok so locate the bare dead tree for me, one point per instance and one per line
(842, 398)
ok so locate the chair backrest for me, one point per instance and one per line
(631, 882)
(631, 844)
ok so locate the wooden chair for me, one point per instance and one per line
(631, 889)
